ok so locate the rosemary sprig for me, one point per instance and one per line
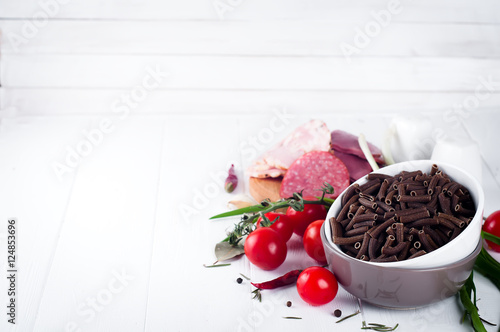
(216, 265)
(346, 317)
(257, 295)
(244, 276)
(250, 214)
(378, 327)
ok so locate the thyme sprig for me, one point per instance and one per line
(257, 295)
(378, 327)
(346, 317)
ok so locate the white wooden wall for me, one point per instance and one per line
(259, 53)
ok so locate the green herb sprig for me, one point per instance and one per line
(250, 214)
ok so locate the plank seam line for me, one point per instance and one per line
(58, 238)
(155, 222)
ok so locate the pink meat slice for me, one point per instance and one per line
(311, 136)
(348, 143)
(356, 166)
(310, 171)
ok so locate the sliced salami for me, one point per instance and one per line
(310, 171)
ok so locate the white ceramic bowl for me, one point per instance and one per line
(454, 251)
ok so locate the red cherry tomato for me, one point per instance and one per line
(317, 285)
(265, 248)
(312, 241)
(492, 226)
(284, 225)
(303, 218)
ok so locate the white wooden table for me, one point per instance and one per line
(112, 182)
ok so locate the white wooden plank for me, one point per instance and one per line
(98, 101)
(304, 37)
(484, 11)
(31, 192)
(104, 250)
(258, 73)
(190, 191)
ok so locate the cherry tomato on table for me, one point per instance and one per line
(303, 218)
(265, 248)
(492, 226)
(312, 241)
(317, 285)
(283, 225)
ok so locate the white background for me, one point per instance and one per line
(119, 211)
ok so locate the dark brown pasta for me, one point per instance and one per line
(356, 231)
(391, 218)
(369, 184)
(373, 247)
(368, 203)
(384, 206)
(425, 242)
(392, 258)
(389, 197)
(364, 246)
(335, 227)
(415, 216)
(434, 236)
(423, 222)
(458, 222)
(347, 240)
(389, 251)
(369, 223)
(434, 169)
(350, 192)
(345, 208)
(460, 209)
(373, 176)
(417, 254)
(375, 231)
(403, 254)
(444, 203)
(412, 199)
(382, 190)
(399, 228)
(432, 184)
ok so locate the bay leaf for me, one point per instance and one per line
(225, 251)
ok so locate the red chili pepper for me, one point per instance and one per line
(286, 279)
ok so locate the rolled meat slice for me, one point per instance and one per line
(309, 172)
(311, 136)
(348, 143)
(357, 167)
